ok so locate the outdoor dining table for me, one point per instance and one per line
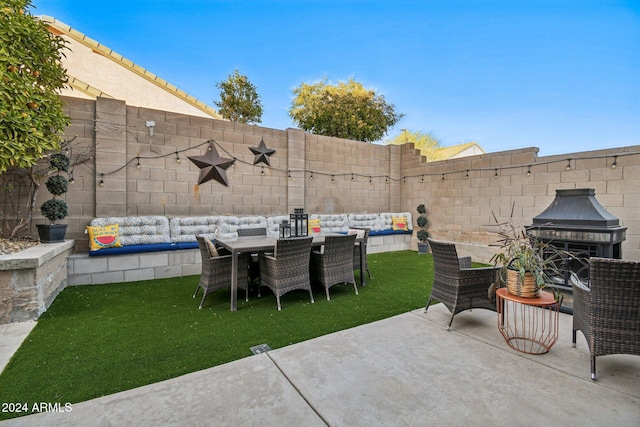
(253, 244)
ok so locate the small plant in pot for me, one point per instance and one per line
(422, 234)
(55, 209)
(527, 264)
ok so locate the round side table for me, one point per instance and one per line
(529, 325)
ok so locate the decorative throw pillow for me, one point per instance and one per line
(104, 237)
(314, 226)
(212, 248)
(399, 223)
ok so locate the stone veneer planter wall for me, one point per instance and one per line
(31, 279)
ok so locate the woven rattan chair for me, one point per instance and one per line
(288, 268)
(356, 253)
(455, 284)
(216, 272)
(254, 265)
(334, 264)
(608, 310)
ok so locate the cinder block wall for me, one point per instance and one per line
(461, 206)
(323, 175)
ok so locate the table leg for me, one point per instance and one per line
(363, 263)
(234, 280)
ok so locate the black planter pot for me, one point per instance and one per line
(51, 233)
(423, 248)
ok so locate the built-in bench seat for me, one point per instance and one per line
(140, 234)
(156, 247)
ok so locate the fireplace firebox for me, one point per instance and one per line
(577, 223)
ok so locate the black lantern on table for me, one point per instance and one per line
(285, 229)
(299, 223)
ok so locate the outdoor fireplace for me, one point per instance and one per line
(577, 223)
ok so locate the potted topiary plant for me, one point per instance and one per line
(422, 234)
(55, 209)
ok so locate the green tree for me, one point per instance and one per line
(427, 143)
(345, 110)
(239, 99)
(32, 119)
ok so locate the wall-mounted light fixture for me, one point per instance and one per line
(150, 124)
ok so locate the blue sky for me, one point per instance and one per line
(563, 76)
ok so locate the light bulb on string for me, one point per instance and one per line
(615, 162)
(177, 158)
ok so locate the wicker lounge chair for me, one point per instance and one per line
(458, 286)
(608, 312)
(356, 253)
(288, 268)
(334, 264)
(216, 272)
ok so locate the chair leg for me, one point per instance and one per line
(426, 307)
(573, 339)
(202, 301)
(327, 291)
(593, 368)
(196, 292)
(355, 287)
(311, 294)
(278, 299)
(369, 273)
(450, 322)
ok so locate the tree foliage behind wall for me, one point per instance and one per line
(32, 119)
(239, 99)
(345, 110)
(427, 143)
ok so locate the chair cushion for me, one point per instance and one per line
(212, 248)
(104, 237)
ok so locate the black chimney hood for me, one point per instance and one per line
(576, 208)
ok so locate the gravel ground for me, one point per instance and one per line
(8, 246)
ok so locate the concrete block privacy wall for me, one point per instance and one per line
(323, 175)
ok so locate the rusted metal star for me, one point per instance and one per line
(212, 166)
(262, 153)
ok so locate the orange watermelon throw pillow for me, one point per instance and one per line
(104, 237)
(399, 223)
(314, 226)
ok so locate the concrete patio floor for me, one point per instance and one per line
(402, 371)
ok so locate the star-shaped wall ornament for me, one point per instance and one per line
(262, 153)
(212, 166)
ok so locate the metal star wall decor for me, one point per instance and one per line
(212, 166)
(262, 153)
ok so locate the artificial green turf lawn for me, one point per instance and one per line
(99, 340)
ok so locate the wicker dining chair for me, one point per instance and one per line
(607, 311)
(288, 268)
(356, 252)
(216, 271)
(455, 284)
(334, 263)
(254, 265)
